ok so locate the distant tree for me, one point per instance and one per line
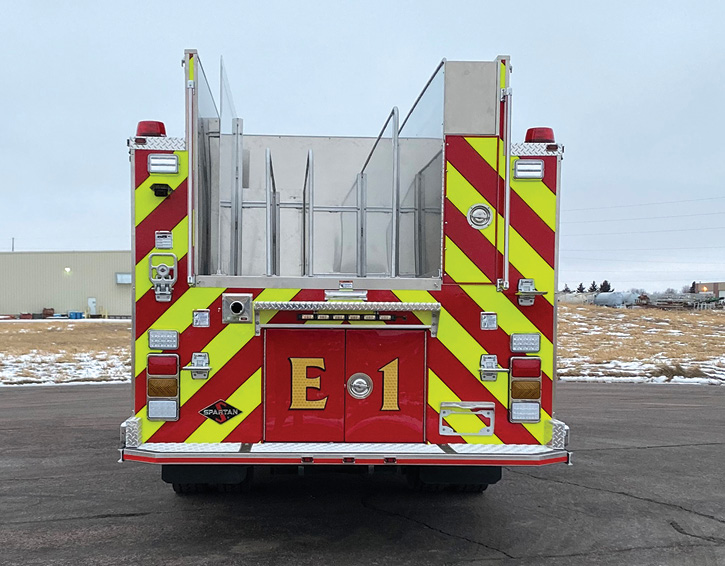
(693, 287)
(605, 287)
(566, 289)
(638, 291)
(581, 288)
(685, 289)
(593, 287)
(670, 291)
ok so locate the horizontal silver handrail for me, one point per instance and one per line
(343, 306)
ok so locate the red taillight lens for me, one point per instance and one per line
(526, 367)
(163, 364)
(540, 135)
(150, 128)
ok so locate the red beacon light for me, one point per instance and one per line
(150, 128)
(540, 135)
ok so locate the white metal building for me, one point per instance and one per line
(94, 282)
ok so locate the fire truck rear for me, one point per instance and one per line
(366, 303)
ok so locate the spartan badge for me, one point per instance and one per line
(220, 412)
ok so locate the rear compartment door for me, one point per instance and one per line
(344, 385)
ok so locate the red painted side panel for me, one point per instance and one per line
(308, 406)
(395, 361)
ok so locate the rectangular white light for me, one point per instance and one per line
(163, 340)
(163, 163)
(528, 169)
(162, 409)
(525, 343)
(525, 412)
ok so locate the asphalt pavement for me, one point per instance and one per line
(646, 488)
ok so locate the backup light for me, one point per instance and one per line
(525, 343)
(525, 412)
(163, 163)
(162, 409)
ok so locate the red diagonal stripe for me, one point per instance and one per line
(467, 388)
(220, 386)
(141, 164)
(458, 230)
(475, 244)
(191, 340)
(467, 313)
(164, 217)
(148, 309)
(249, 430)
(476, 170)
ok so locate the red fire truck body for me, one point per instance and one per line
(387, 301)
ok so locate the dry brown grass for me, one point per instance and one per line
(64, 337)
(670, 343)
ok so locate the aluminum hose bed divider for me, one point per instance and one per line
(347, 306)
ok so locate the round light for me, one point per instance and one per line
(704, 288)
(66, 269)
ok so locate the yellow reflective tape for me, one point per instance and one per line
(461, 344)
(246, 398)
(176, 317)
(439, 392)
(143, 283)
(463, 195)
(191, 67)
(148, 428)
(502, 78)
(144, 200)
(457, 262)
(488, 149)
(537, 195)
(522, 256)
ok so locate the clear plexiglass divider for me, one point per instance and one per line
(385, 222)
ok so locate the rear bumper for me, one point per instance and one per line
(294, 453)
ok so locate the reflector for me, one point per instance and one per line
(162, 364)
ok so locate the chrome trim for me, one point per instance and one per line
(131, 433)
(343, 306)
(559, 434)
(446, 453)
(318, 282)
(503, 284)
(157, 143)
(460, 408)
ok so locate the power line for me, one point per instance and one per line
(646, 231)
(637, 260)
(643, 204)
(646, 249)
(642, 218)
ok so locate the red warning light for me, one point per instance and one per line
(150, 128)
(540, 135)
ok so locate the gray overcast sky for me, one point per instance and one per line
(634, 90)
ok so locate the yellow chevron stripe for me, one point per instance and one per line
(463, 346)
(176, 317)
(537, 195)
(439, 392)
(491, 151)
(457, 262)
(148, 428)
(225, 345)
(523, 257)
(143, 284)
(144, 200)
(246, 398)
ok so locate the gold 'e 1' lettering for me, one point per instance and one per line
(301, 383)
(390, 386)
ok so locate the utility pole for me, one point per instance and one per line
(12, 244)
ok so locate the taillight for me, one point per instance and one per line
(525, 389)
(162, 387)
